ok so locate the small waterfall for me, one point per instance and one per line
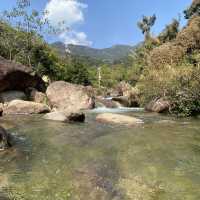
(118, 108)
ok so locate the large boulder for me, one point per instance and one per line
(65, 117)
(15, 76)
(8, 96)
(4, 139)
(118, 119)
(158, 105)
(65, 96)
(25, 107)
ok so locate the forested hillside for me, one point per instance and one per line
(108, 55)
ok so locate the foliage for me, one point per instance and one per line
(22, 20)
(76, 73)
(178, 84)
(8, 41)
(146, 23)
(171, 66)
(194, 9)
(170, 32)
(21, 41)
(173, 52)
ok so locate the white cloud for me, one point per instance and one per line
(76, 38)
(72, 13)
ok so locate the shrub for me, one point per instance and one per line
(186, 42)
(179, 84)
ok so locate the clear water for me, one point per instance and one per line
(157, 160)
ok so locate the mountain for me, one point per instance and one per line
(111, 54)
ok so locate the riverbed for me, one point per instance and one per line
(156, 160)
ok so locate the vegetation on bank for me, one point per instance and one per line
(22, 40)
(166, 66)
(172, 68)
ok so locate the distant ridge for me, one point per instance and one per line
(111, 54)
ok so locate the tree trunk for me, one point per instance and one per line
(10, 55)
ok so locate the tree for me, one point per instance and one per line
(28, 22)
(146, 23)
(8, 41)
(33, 23)
(77, 73)
(194, 9)
(170, 32)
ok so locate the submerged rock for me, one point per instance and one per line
(118, 119)
(25, 107)
(65, 117)
(12, 95)
(4, 139)
(158, 105)
(96, 183)
(76, 117)
(65, 96)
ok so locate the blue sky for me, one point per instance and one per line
(103, 23)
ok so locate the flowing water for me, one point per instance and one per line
(157, 160)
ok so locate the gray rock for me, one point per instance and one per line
(8, 96)
(14, 76)
(66, 96)
(56, 116)
(25, 107)
(76, 117)
(158, 105)
(108, 103)
(124, 101)
(65, 117)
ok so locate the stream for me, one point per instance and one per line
(156, 160)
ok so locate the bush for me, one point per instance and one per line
(186, 92)
(179, 84)
(186, 42)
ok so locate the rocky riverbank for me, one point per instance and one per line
(23, 92)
